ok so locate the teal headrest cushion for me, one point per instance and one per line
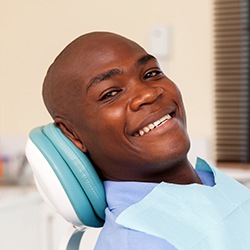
(74, 171)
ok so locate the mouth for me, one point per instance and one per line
(151, 126)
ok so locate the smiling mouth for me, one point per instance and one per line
(156, 124)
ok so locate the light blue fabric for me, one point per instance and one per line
(195, 217)
(121, 195)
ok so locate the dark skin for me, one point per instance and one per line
(111, 99)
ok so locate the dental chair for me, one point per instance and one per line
(67, 181)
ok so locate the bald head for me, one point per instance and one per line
(62, 85)
(105, 92)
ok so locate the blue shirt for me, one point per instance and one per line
(121, 195)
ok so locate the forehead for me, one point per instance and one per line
(99, 54)
(110, 52)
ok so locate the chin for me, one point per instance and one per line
(175, 151)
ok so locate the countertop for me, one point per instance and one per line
(15, 195)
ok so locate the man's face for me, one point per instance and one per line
(130, 118)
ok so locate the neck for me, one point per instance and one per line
(178, 173)
(183, 173)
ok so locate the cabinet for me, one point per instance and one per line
(26, 223)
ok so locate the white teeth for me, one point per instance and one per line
(153, 125)
(157, 123)
(141, 132)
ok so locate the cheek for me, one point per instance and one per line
(176, 94)
(105, 126)
(114, 115)
(181, 142)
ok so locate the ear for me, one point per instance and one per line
(70, 134)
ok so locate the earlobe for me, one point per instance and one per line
(71, 136)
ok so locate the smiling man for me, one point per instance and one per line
(111, 99)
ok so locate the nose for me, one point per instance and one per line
(145, 95)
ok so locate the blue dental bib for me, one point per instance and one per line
(195, 217)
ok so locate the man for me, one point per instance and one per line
(111, 99)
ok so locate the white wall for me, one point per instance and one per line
(34, 32)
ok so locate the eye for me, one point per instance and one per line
(109, 94)
(153, 73)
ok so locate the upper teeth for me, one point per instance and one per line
(153, 125)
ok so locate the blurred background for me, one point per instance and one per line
(180, 34)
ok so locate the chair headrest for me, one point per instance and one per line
(65, 177)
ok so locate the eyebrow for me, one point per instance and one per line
(102, 77)
(144, 60)
(113, 72)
